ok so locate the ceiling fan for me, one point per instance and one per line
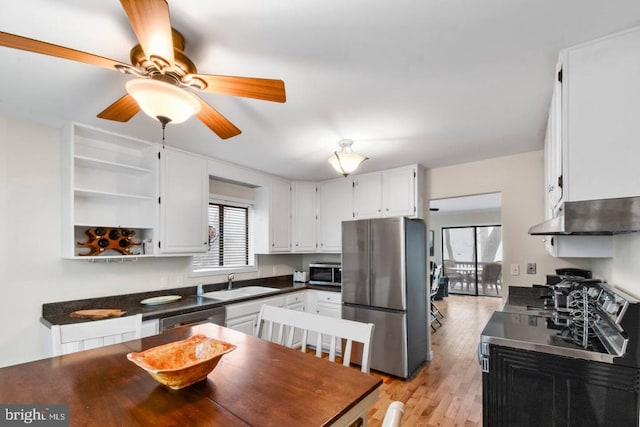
(162, 70)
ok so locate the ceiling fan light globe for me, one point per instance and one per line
(160, 99)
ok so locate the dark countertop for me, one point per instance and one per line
(58, 313)
(530, 300)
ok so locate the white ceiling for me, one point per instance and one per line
(436, 82)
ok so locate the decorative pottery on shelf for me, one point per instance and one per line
(102, 239)
(182, 363)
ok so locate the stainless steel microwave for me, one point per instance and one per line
(324, 273)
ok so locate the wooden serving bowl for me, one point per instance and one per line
(182, 363)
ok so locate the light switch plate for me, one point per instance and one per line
(515, 269)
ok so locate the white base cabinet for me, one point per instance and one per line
(328, 304)
(149, 328)
(243, 316)
(295, 301)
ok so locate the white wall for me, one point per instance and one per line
(626, 263)
(32, 271)
(520, 180)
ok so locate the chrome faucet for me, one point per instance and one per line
(230, 278)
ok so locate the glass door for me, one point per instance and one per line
(459, 259)
(472, 259)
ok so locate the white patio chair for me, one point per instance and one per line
(274, 320)
(394, 413)
(97, 333)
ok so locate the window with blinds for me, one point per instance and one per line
(228, 238)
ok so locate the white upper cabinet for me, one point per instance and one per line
(304, 217)
(399, 192)
(591, 144)
(392, 192)
(553, 150)
(135, 189)
(272, 225)
(335, 200)
(601, 107)
(184, 196)
(367, 195)
(109, 186)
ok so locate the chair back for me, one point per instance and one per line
(492, 272)
(274, 320)
(394, 413)
(96, 333)
(435, 283)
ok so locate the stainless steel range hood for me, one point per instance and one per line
(593, 217)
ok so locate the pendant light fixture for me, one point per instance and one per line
(346, 161)
(161, 99)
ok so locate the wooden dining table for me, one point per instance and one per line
(257, 384)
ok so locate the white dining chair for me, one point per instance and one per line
(273, 321)
(394, 414)
(97, 333)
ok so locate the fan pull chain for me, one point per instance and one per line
(164, 120)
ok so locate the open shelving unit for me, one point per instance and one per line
(110, 180)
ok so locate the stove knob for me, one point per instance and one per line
(613, 308)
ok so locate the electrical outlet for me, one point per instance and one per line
(515, 269)
(531, 268)
(164, 282)
(179, 281)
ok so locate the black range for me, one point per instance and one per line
(571, 363)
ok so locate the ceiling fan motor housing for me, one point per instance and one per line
(157, 68)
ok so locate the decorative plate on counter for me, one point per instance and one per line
(160, 300)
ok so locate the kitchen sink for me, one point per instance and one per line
(247, 291)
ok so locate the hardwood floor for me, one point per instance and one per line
(447, 391)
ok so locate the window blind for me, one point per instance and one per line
(228, 238)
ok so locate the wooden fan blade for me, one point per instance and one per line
(36, 46)
(216, 121)
(122, 110)
(248, 87)
(150, 21)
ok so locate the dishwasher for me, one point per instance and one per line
(215, 315)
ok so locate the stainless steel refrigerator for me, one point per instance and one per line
(384, 281)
